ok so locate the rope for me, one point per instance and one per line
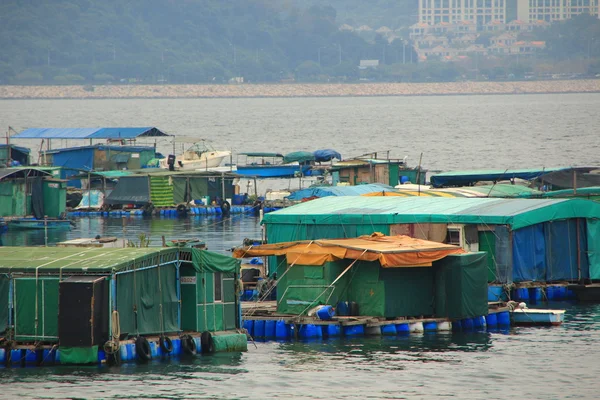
(112, 346)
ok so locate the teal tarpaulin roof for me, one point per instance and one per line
(298, 156)
(464, 178)
(517, 213)
(324, 191)
(88, 133)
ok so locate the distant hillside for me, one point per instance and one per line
(179, 41)
(394, 14)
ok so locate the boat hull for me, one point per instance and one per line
(272, 171)
(25, 224)
(534, 317)
(208, 160)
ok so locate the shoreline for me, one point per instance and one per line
(299, 90)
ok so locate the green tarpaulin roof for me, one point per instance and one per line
(459, 178)
(298, 156)
(503, 190)
(517, 213)
(79, 260)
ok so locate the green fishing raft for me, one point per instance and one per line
(89, 305)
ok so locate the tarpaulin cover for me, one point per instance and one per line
(298, 156)
(37, 198)
(305, 286)
(411, 193)
(147, 300)
(390, 251)
(25, 308)
(130, 190)
(326, 155)
(76, 158)
(504, 258)
(593, 236)
(93, 199)
(408, 292)
(324, 191)
(207, 261)
(461, 286)
(487, 243)
(466, 178)
(561, 250)
(353, 210)
(4, 301)
(88, 133)
(54, 260)
(529, 254)
(79, 355)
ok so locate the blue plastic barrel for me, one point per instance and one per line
(154, 352)
(198, 345)
(162, 212)
(16, 356)
(402, 328)
(520, 294)
(249, 326)
(31, 356)
(176, 347)
(467, 324)
(320, 329)
(48, 356)
(218, 211)
(131, 354)
(503, 318)
(57, 356)
(334, 330)
(560, 292)
(123, 351)
(389, 329)
(535, 294)
(479, 322)
(325, 313)
(354, 330)
(491, 320)
(101, 356)
(282, 330)
(550, 293)
(496, 293)
(430, 326)
(308, 331)
(270, 329)
(2, 356)
(259, 329)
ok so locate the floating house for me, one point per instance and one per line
(384, 276)
(167, 188)
(373, 170)
(11, 155)
(540, 240)
(86, 305)
(118, 150)
(31, 191)
(550, 178)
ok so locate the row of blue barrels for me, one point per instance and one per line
(490, 321)
(17, 357)
(252, 295)
(536, 294)
(164, 212)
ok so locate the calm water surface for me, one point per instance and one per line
(452, 132)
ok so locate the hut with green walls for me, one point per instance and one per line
(386, 276)
(88, 299)
(376, 170)
(539, 240)
(31, 191)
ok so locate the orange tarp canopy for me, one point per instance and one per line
(390, 251)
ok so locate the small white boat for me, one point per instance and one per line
(531, 316)
(198, 156)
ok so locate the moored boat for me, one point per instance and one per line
(270, 165)
(199, 156)
(33, 223)
(528, 316)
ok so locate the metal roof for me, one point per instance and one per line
(88, 133)
(22, 172)
(18, 148)
(517, 213)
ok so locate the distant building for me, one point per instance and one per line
(364, 64)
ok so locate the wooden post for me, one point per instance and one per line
(222, 186)
(419, 173)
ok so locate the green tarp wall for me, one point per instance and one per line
(487, 243)
(4, 301)
(593, 237)
(199, 187)
(461, 286)
(161, 191)
(13, 201)
(25, 309)
(79, 355)
(144, 291)
(55, 198)
(305, 286)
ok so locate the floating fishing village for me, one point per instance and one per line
(365, 245)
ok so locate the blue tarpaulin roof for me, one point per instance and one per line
(326, 155)
(325, 191)
(466, 178)
(88, 133)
